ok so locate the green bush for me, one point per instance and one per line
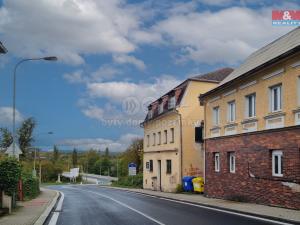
(179, 188)
(10, 173)
(130, 181)
(31, 188)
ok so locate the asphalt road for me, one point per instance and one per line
(93, 205)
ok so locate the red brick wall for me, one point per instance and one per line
(253, 154)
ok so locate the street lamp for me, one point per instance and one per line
(48, 58)
(3, 50)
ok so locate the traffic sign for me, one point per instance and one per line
(132, 169)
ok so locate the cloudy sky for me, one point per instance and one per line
(115, 57)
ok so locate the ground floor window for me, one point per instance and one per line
(277, 169)
(217, 162)
(169, 166)
(151, 165)
(232, 162)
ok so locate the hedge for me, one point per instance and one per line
(130, 181)
(31, 188)
(10, 173)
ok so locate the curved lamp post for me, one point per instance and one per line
(48, 58)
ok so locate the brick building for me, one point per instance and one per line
(252, 132)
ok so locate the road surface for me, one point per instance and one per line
(93, 205)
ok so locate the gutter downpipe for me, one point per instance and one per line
(181, 150)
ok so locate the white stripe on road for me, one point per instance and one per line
(58, 208)
(123, 204)
(212, 208)
(54, 218)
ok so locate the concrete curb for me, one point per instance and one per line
(42, 218)
(133, 190)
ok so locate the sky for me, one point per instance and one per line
(115, 57)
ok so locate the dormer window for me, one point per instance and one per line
(172, 102)
(150, 113)
(161, 108)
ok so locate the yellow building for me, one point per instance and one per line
(170, 148)
(252, 132)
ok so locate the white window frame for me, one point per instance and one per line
(171, 102)
(253, 106)
(279, 98)
(231, 113)
(159, 138)
(216, 116)
(232, 165)
(278, 154)
(217, 162)
(154, 139)
(161, 108)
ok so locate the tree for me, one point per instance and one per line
(106, 152)
(6, 138)
(25, 135)
(55, 153)
(74, 157)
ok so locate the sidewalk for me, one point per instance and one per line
(29, 212)
(250, 208)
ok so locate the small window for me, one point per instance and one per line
(148, 140)
(161, 108)
(166, 136)
(231, 111)
(277, 165)
(232, 162)
(172, 135)
(150, 114)
(154, 139)
(169, 166)
(216, 116)
(172, 102)
(275, 98)
(217, 162)
(159, 138)
(199, 134)
(148, 165)
(151, 165)
(251, 106)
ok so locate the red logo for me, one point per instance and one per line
(286, 15)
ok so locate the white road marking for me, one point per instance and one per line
(125, 205)
(228, 212)
(59, 204)
(54, 218)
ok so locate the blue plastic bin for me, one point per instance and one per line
(187, 183)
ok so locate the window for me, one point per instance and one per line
(172, 102)
(150, 114)
(159, 138)
(275, 98)
(277, 169)
(250, 106)
(151, 165)
(216, 116)
(217, 162)
(154, 139)
(199, 134)
(161, 108)
(166, 136)
(232, 162)
(231, 111)
(169, 166)
(172, 135)
(148, 140)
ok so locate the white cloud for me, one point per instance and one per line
(75, 77)
(216, 2)
(104, 72)
(70, 28)
(123, 59)
(224, 36)
(6, 116)
(100, 143)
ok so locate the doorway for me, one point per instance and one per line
(159, 174)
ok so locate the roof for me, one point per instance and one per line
(274, 51)
(215, 76)
(2, 48)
